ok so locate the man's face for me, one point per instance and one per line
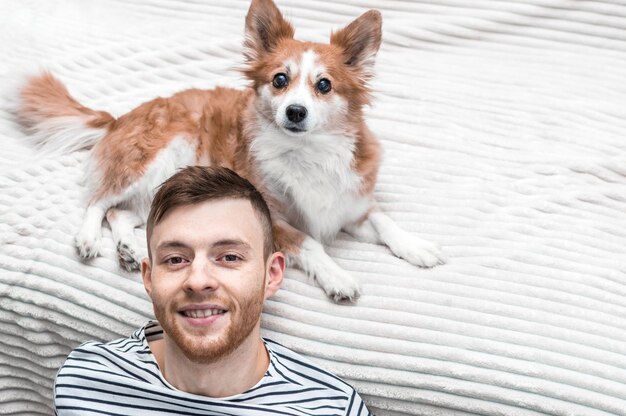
(208, 277)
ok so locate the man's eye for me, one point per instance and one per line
(230, 258)
(175, 260)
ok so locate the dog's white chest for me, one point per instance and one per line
(314, 179)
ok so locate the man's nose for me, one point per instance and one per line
(201, 277)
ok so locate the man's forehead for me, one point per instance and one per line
(212, 221)
(220, 208)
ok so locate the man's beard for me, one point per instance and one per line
(207, 350)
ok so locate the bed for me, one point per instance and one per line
(504, 130)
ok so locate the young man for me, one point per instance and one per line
(211, 264)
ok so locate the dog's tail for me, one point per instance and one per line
(57, 123)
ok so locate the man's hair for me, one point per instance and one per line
(196, 184)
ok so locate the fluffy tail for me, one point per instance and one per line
(59, 124)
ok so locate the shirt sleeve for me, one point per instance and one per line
(356, 407)
(54, 392)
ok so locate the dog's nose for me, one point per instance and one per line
(296, 113)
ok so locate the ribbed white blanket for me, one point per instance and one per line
(504, 129)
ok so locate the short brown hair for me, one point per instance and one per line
(196, 184)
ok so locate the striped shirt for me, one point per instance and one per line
(122, 378)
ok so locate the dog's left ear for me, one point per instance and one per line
(360, 41)
(265, 27)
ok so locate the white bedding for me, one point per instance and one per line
(504, 129)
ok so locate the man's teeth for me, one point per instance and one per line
(203, 313)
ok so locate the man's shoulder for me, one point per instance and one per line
(298, 369)
(292, 369)
(121, 346)
(96, 360)
(101, 376)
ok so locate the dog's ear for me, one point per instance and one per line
(360, 41)
(265, 27)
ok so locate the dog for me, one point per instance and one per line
(297, 133)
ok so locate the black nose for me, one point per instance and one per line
(296, 113)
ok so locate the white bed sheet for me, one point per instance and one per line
(503, 124)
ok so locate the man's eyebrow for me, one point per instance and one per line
(228, 242)
(171, 244)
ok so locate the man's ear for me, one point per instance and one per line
(274, 273)
(265, 27)
(360, 41)
(146, 275)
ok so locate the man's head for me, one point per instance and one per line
(196, 184)
(211, 263)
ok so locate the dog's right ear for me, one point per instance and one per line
(360, 41)
(265, 27)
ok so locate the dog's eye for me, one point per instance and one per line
(280, 81)
(323, 86)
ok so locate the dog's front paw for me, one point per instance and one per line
(419, 252)
(341, 287)
(338, 284)
(413, 249)
(88, 244)
(128, 256)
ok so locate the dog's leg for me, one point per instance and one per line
(309, 255)
(405, 245)
(123, 223)
(88, 239)
(336, 282)
(363, 231)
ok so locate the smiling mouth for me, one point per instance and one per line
(202, 313)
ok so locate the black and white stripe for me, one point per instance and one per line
(122, 378)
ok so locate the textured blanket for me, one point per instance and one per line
(504, 130)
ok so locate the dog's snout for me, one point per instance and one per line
(296, 113)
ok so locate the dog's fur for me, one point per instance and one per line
(317, 173)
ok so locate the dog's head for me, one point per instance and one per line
(306, 87)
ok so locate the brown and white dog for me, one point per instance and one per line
(297, 133)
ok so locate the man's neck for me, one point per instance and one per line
(231, 375)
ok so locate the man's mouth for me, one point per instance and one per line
(203, 313)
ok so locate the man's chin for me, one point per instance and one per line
(201, 347)
(206, 353)
(207, 340)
